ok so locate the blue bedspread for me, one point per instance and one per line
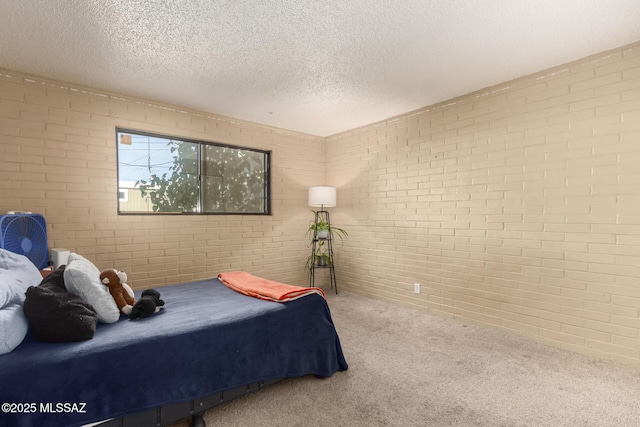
(207, 339)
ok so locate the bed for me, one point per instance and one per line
(208, 344)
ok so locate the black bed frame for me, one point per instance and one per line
(165, 415)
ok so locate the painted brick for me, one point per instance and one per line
(65, 166)
(515, 206)
(553, 194)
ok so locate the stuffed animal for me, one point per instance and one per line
(148, 304)
(119, 290)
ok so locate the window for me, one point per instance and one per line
(163, 174)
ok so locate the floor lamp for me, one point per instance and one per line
(322, 197)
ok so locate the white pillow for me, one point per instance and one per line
(82, 278)
(17, 273)
(13, 327)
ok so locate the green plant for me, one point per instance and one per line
(317, 227)
(321, 257)
(178, 192)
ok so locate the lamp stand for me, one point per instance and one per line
(319, 258)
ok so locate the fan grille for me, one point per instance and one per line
(25, 234)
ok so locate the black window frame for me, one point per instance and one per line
(267, 173)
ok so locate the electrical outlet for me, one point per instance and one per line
(416, 288)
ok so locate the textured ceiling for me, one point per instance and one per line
(319, 67)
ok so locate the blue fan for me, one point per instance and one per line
(25, 234)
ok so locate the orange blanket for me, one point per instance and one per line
(269, 290)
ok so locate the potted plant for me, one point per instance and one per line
(319, 259)
(320, 232)
(322, 229)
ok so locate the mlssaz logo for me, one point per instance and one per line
(63, 407)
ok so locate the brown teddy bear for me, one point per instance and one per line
(120, 291)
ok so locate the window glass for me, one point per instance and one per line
(162, 174)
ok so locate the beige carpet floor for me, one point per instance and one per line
(408, 368)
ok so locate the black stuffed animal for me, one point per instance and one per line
(56, 315)
(148, 304)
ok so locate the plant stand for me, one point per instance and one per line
(315, 245)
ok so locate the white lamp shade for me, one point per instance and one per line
(322, 196)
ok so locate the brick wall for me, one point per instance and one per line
(517, 206)
(58, 157)
(514, 207)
